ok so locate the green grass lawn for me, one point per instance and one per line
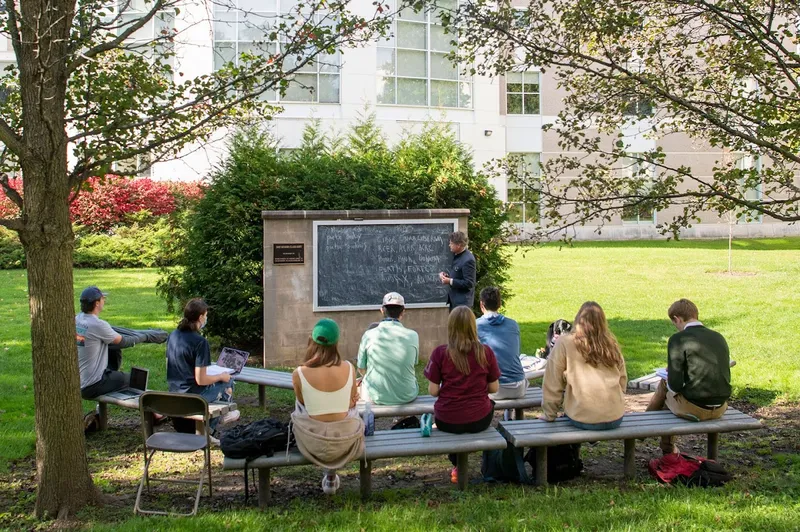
(635, 282)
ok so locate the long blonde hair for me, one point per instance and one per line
(462, 339)
(593, 339)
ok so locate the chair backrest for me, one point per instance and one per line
(173, 404)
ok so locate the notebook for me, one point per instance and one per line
(230, 361)
(137, 386)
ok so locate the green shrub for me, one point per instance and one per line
(11, 253)
(223, 258)
(133, 246)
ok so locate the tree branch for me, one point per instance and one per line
(15, 224)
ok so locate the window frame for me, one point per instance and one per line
(461, 81)
(524, 202)
(756, 163)
(651, 173)
(523, 94)
(238, 23)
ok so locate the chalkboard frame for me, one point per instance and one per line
(317, 223)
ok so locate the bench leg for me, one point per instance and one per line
(102, 410)
(365, 473)
(519, 414)
(541, 467)
(462, 463)
(630, 458)
(264, 495)
(262, 396)
(713, 445)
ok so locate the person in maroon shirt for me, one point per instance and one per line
(462, 374)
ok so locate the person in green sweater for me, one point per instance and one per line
(698, 382)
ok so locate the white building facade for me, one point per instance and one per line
(405, 80)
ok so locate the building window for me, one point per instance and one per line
(151, 39)
(136, 166)
(413, 68)
(523, 197)
(523, 94)
(243, 26)
(746, 163)
(638, 107)
(634, 168)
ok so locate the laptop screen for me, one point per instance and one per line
(233, 359)
(138, 378)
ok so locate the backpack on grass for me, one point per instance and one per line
(508, 465)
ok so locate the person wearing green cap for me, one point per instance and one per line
(325, 423)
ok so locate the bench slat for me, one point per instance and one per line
(424, 405)
(265, 377)
(408, 442)
(537, 433)
(215, 409)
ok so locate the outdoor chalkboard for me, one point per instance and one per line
(356, 263)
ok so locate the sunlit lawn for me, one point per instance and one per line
(757, 311)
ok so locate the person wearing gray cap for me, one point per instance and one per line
(387, 355)
(100, 346)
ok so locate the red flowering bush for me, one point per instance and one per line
(7, 207)
(109, 201)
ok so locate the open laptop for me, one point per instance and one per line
(230, 361)
(137, 386)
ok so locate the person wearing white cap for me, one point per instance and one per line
(387, 356)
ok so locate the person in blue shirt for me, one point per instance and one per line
(502, 335)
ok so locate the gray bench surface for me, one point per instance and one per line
(283, 379)
(392, 444)
(383, 444)
(215, 409)
(265, 377)
(540, 434)
(424, 405)
(536, 432)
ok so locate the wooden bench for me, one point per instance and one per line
(383, 444)
(215, 409)
(541, 434)
(651, 380)
(423, 404)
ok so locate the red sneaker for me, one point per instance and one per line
(454, 475)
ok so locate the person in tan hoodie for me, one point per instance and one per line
(586, 372)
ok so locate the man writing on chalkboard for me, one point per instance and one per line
(461, 278)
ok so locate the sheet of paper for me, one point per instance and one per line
(661, 372)
(217, 370)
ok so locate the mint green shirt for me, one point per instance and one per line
(388, 353)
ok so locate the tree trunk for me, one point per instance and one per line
(63, 474)
(41, 49)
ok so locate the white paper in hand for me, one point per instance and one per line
(213, 369)
(661, 372)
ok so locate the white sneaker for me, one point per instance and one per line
(329, 487)
(214, 441)
(230, 417)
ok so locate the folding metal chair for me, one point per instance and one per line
(173, 405)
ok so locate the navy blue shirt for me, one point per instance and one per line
(186, 350)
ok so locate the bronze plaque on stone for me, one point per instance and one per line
(288, 254)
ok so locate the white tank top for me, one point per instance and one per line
(318, 403)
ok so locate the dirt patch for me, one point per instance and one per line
(116, 464)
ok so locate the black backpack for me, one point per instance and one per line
(556, 329)
(508, 465)
(709, 474)
(259, 438)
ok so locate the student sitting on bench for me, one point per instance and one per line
(100, 346)
(501, 333)
(586, 371)
(698, 381)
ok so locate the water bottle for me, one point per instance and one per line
(369, 420)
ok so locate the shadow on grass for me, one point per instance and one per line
(647, 338)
